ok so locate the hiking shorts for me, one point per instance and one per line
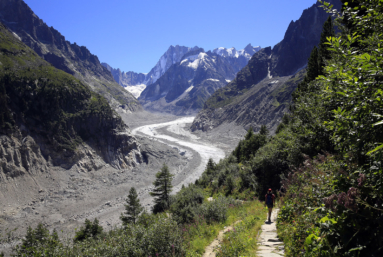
(270, 206)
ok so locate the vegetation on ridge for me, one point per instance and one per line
(48, 102)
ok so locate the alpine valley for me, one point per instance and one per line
(177, 161)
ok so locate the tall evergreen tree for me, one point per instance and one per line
(264, 131)
(163, 187)
(324, 53)
(312, 66)
(133, 208)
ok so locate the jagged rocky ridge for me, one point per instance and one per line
(261, 92)
(48, 117)
(76, 60)
(186, 85)
(137, 82)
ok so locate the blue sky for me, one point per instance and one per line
(132, 35)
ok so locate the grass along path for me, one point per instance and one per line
(238, 235)
(210, 249)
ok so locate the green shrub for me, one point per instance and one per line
(89, 230)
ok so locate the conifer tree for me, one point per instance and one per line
(163, 187)
(264, 131)
(133, 208)
(312, 66)
(324, 53)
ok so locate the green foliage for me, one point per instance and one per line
(163, 187)
(133, 208)
(48, 102)
(90, 230)
(38, 242)
(349, 98)
(242, 239)
(247, 147)
(185, 203)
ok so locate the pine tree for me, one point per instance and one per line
(312, 66)
(264, 131)
(324, 53)
(163, 187)
(210, 167)
(132, 209)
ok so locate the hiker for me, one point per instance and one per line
(269, 201)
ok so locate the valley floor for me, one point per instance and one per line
(62, 199)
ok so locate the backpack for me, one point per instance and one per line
(269, 199)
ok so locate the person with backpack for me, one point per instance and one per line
(269, 201)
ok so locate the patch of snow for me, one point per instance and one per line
(213, 79)
(268, 73)
(194, 64)
(135, 90)
(228, 80)
(183, 95)
(163, 64)
(189, 89)
(202, 55)
(16, 36)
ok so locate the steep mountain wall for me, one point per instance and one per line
(49, 118)
(261, 92)
(76, 60)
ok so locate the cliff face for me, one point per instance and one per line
(76, 60)
(261, 92)
(48, 117)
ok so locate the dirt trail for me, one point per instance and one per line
(209, 250)
(269, 243)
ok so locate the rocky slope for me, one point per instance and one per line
(261, 92)
(76, 60)
(49, 118)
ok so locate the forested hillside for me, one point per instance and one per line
(327, 152)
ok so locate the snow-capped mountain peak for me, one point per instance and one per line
(172, 56)
(247, 52)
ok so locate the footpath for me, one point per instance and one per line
(269, 244)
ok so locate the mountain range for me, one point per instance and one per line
(187, 84)
(137, 82)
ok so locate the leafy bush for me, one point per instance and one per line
(91, 229)
(185, 203)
